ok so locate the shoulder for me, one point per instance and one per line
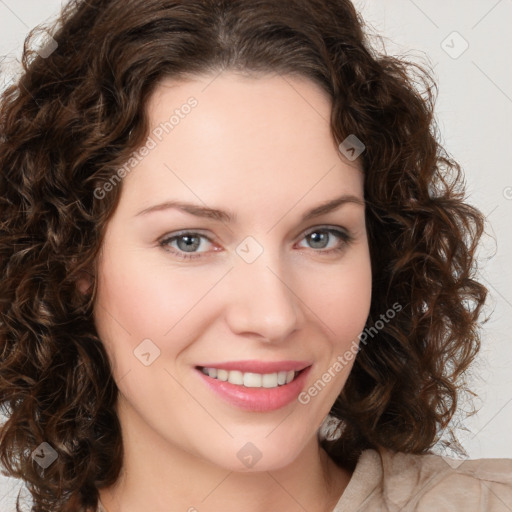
(435, 481)
(384, 480)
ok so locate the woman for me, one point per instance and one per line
(224, 225)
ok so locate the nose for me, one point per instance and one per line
(262, 302)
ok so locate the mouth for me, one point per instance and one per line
(251, 379)
(255, 386)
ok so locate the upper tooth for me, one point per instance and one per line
(236, 377)
(269, 380)
(250, 379)
(222, 375)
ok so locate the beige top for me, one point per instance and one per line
(386, 481)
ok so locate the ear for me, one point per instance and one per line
(84, 282)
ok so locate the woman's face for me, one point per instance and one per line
(259, 292)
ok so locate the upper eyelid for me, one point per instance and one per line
(324, 226)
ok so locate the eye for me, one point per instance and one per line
(187, 243)
(320, 237)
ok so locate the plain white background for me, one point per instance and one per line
(467, 43)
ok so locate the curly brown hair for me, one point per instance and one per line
(75, 116)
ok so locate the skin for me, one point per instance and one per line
(260, 147)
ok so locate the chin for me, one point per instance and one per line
(245, 456)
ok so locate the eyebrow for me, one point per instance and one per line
(228, 216)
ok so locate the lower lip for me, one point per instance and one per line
(257, 399)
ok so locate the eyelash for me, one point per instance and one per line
(344, 236)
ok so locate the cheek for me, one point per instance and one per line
(342, 304)
(137, 301)
(142, 299)
(343, 301)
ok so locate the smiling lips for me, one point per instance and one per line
(255, 385)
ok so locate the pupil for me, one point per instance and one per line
(316, 236)
(189, 242)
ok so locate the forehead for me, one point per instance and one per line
(269, 112)
(263, 137)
